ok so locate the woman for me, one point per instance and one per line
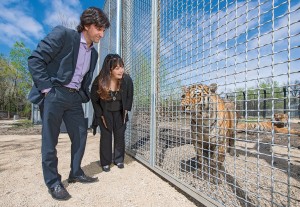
(112, 96)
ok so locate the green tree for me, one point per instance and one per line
(295, 86)
(21, 78)
(261, 96)
(4, 83)
(141, 74)
(15, 81)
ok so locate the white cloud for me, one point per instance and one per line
(17, 24)
(11, 34)
(60, 12)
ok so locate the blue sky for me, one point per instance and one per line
(30, 20)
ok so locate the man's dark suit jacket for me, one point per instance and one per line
(54, 61)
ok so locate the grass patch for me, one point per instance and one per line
(23, 124)
(253, 119)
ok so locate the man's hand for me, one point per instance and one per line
(46, 91)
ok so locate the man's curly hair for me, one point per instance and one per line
(93, 15)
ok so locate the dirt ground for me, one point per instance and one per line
(22, 181)
(263, 171)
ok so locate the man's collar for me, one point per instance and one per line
(82, 40)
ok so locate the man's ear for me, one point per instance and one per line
(87, 27)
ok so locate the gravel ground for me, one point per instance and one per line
(250, 179)
(22, 181)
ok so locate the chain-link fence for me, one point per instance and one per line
(216, 95)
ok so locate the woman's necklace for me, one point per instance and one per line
(113, 95)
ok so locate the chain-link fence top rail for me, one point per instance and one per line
(225, 142)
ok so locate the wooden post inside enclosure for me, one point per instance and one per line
(265, 104)
(244, 104)
(284, 99)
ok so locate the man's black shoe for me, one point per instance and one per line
(82, 179)
(58, 192)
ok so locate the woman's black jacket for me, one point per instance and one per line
(99, 105)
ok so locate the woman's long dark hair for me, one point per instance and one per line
(93, 15)
(110, 62)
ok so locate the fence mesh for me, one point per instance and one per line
(108, 43)
(137, 58)
(226, 98)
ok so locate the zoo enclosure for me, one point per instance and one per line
(251, 50)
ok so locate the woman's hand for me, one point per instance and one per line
(125, 116)
(103, 120)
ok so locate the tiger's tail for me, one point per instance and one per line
(286, 131)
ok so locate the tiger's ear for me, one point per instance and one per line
(213, 87)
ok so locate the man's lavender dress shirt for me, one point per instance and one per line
(82, 65)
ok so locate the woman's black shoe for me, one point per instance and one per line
(120, 165)
(106, 168)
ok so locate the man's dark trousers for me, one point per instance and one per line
(62, 103)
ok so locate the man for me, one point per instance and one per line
(62, 68)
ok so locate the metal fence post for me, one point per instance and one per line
(119, 28)
(153, 81)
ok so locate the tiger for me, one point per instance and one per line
(279, 123)
(212, 123)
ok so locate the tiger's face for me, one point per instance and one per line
(281, 120)
(280, 117)
(197, 98)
